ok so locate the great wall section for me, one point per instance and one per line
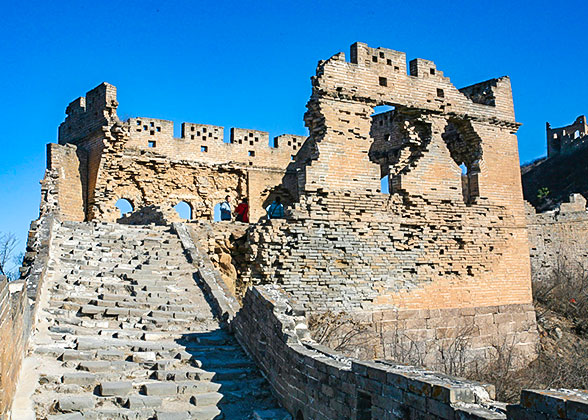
(149, 316)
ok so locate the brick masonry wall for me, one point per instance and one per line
(206, 143)
(14, 323)
(18, 307)
(125, 159)
(559, 238)
(314, 382)
(69, 164)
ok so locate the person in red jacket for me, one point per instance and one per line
(242, 211)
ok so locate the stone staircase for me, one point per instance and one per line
(124, 332)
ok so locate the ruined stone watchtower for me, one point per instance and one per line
(448, 243)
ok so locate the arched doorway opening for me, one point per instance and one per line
(184, 210)
(124, 206)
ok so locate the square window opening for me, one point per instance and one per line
(440, 93)
(204, 149)
(432, 71)
(383, 81)
(251, 153)
(374, 59)
(389, 62)
(151, 144)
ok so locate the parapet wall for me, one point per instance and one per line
(314, 382)
(206, 143)
(18, 306)
(559, 238)
(14, 331)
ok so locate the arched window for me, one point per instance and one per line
(184, 210)
(576, 134)
(124, 206)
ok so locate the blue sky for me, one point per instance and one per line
(247, 64)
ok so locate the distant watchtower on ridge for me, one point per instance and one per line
(566, 139)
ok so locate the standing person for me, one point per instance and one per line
(242, 211)
(275, 210)
(225, 209)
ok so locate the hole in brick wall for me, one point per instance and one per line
(191, 136)
(158, 129)
(192, 128)
(576, 134)
(138, 122)
(299, 415)
(364, 406)
(292, 157)
(251, 143)
(204, 129)
(396, 68)
(216, 213)
(385, 184)
(383, 81)
(204, 149)
(375, 59)
(251, 153)
(432, 71)
(145, 128)
(151, 144)
(152, 132)
(184, 210)
(440, 93)
(389, 62)
(124, 206)
(139, 130)
(381, 55)
(250, 134)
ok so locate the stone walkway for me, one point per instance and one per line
(124, 332)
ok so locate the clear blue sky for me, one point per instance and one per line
(248, 64)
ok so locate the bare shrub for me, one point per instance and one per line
(9, 259)
(340, 332)
(453, 356)
(565, 291)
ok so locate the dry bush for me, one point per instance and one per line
(565, 291)
(340, 332)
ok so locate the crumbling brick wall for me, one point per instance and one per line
(437, 242)
(141, 161)
(559, 238)
(67, 166)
